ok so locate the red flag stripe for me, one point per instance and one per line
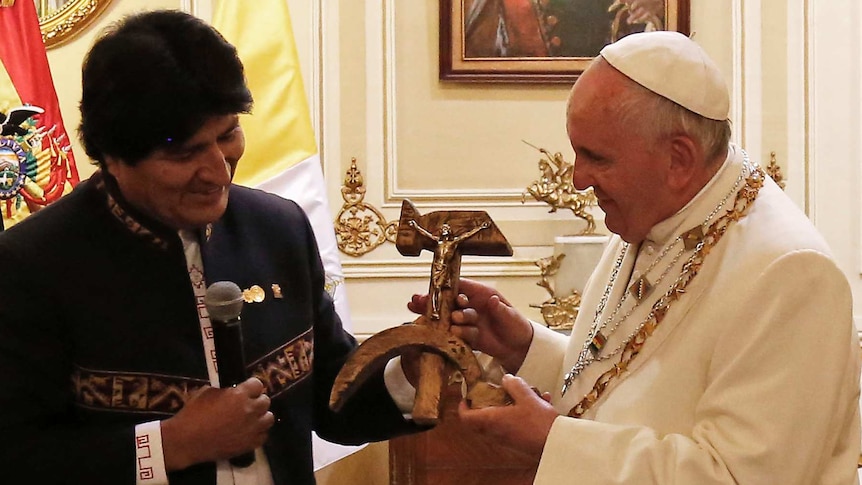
(22, 52)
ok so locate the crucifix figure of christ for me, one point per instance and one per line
(448, 235)
(444, 255)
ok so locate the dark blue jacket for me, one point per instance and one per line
(99, 331)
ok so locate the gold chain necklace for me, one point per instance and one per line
(640, 289)
(636, 341)
(602, 329)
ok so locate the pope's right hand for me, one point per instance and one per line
(487, 322)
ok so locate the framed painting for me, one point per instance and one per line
(542, 40)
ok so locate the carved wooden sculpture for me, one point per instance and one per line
(449, 235)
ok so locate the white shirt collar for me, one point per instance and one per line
(699, 207)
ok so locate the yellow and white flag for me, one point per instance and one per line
(281, 153)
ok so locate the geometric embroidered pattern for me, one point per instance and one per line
(279, 370)
(130, 222)
(144, 455)
(132, 392)
(282, 368)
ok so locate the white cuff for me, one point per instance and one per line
(542, 364)
(150, 458)
(402, 392)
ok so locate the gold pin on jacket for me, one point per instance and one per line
(255, 294)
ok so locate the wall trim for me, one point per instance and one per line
(202, 9)
(328, 99)
(796, 164)
(393, 194)
(747, 106)
(375, 98)
(390, 140)
(420, 268)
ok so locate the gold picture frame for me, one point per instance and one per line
(61, 25)
(538, 49)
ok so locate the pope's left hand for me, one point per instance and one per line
(523, 426)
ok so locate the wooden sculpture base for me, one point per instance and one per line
(451, 455)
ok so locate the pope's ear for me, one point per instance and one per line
(686, 162)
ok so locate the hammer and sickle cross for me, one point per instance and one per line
(448, 235)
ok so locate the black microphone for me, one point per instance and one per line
(224, 304)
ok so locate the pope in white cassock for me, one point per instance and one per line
(715, 342)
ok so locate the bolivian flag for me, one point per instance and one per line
(281, 151)
(36, 161)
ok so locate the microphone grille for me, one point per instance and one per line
(223, 301)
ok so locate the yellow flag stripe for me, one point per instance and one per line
(278, 133)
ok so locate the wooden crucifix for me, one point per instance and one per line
(448, 235)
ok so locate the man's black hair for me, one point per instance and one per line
(152, 80)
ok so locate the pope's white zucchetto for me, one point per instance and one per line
(673, 66)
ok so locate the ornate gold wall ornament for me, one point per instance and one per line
(62, 24)
(774, 171)
(555, 188)
(559, 312)
(360, 227)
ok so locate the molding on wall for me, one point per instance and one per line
(461, 197)
(420, 268)
(317, 48)
(798, 75)
(203, 9)
(835, 152)
(736, 89)
(834, 47)
(375, 98)
(856, 13)
(747, 106)
(392, 194)
(857, 111)
(328, 99)
(812, 126)
(390, 86)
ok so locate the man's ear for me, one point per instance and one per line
(686, 162)
(112, 166)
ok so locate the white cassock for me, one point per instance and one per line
(752, 377)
